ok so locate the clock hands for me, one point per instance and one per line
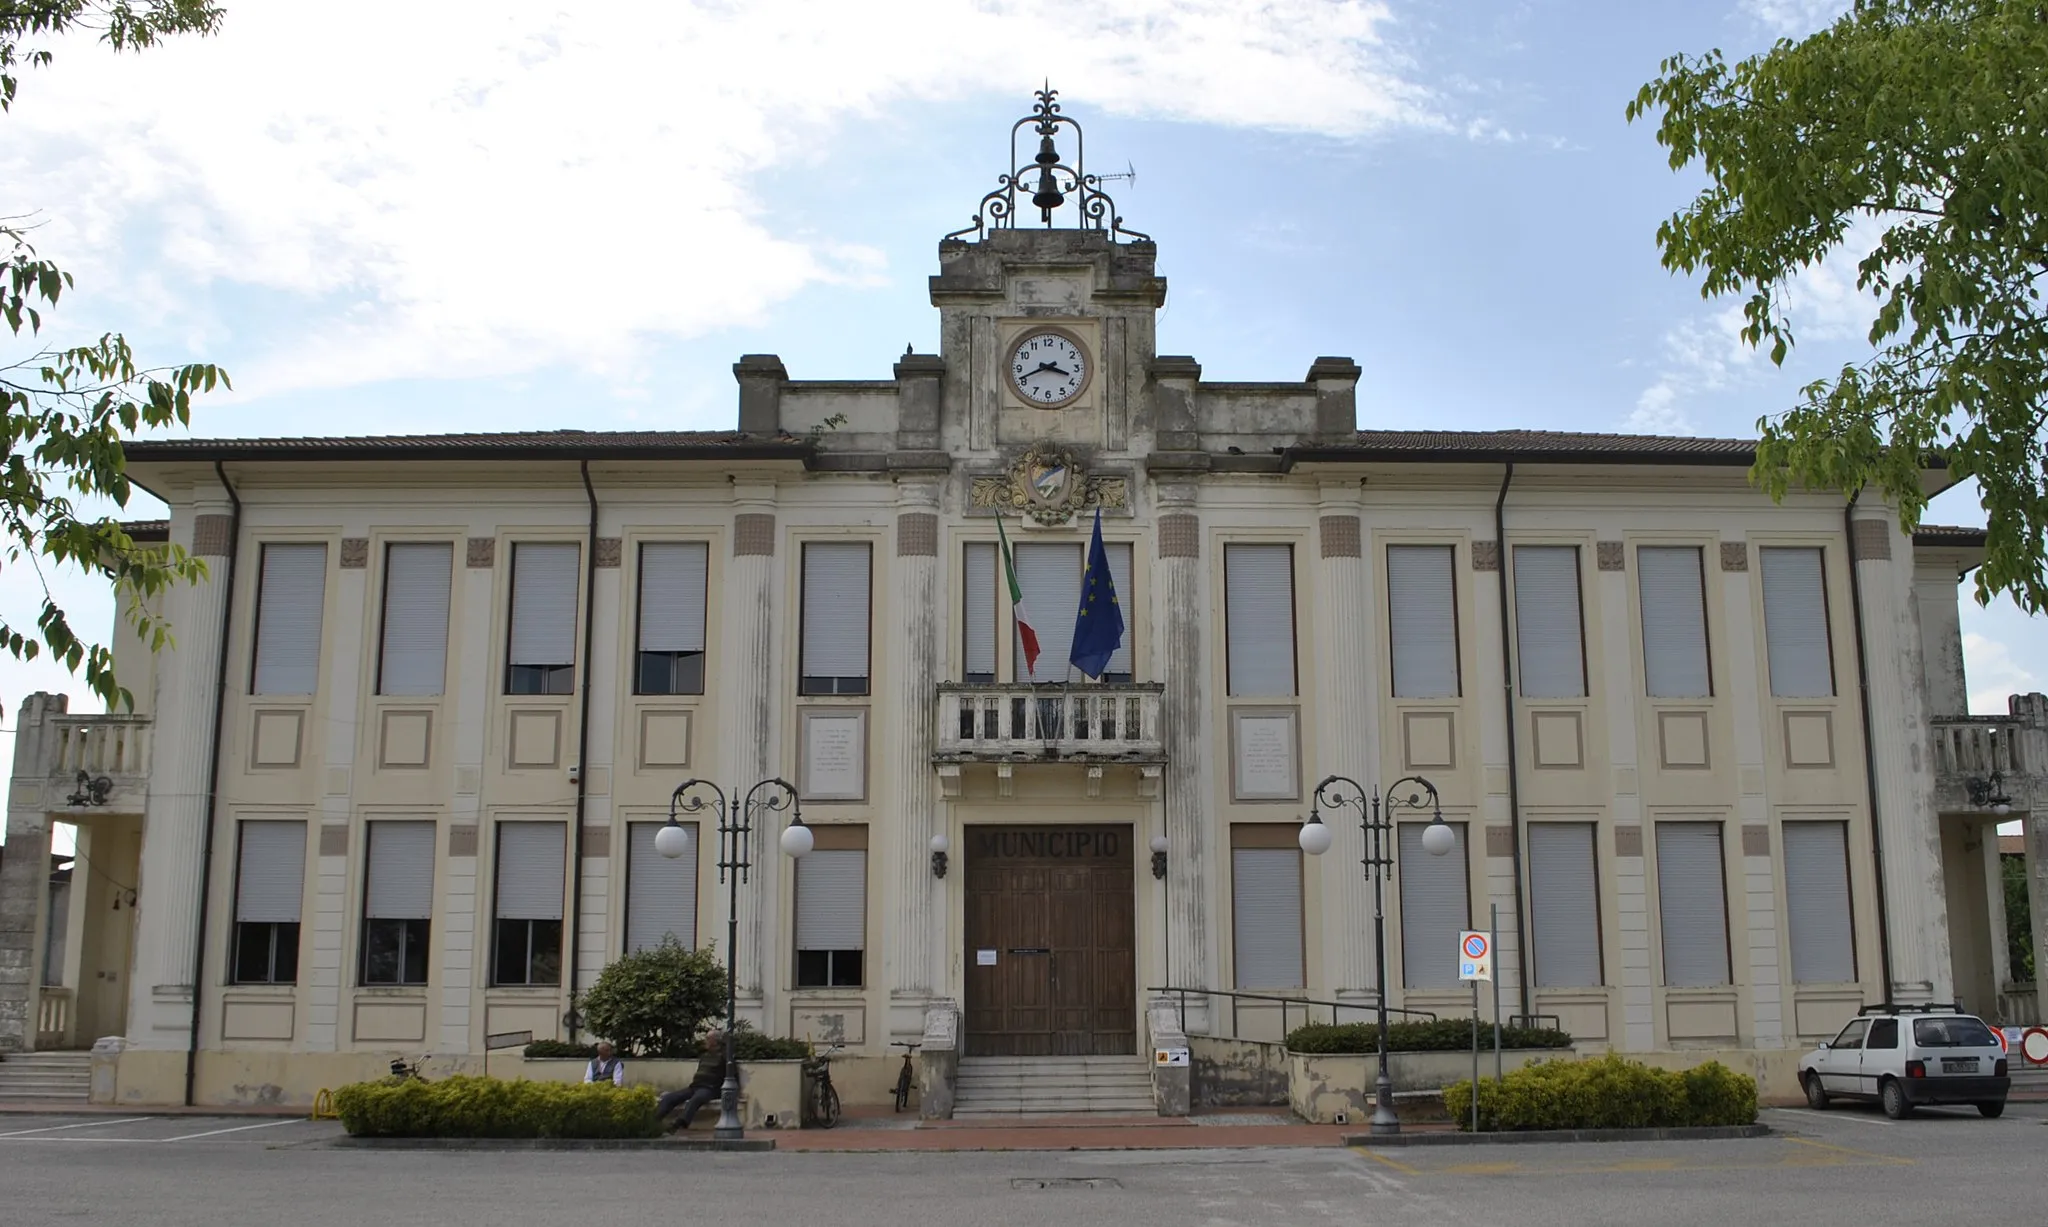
(1049, 366)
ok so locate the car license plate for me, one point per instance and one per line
(1959, 1065)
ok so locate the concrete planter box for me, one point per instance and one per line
(767, 1088)
(1319, 1086)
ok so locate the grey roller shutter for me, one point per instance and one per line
(1434, 908)
(1120, 574)
(672, 595)
(1550, 641)
(661, 894)
(978, 610)
(544, 578)
(1796, 623)
(1258, 619)
(836, 597)
(530, 870)
(1423, 622)
(1050, 577)
(401, 883)
(1817, 900)
(292, 592)
(1692, 903)
(1265, 902)
(415, 648)
(1674, 622)
(1564, 904)
(831, 899)
(270, 877)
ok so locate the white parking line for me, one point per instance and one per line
(89, 1124)
(1852, 1117)
(269, 1124)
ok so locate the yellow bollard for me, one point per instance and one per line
(323, 1105)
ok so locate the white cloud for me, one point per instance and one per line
(1994, 673)
(1792, 18)
(494, 186)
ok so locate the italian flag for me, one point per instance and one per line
(1027, 634)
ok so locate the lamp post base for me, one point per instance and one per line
(1384, 1122)
(729, 1128)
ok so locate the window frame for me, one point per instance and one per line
(832, 837)
(1706, 623)
(555, 680)
(840, 688)
(701, 658)
(526, 931)
(1293, 619)
(1457, 693)
(414, 936)
(384, 624)
(1578, 604)
(1268, 837)
(258, 620)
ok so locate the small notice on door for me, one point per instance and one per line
(984, 958)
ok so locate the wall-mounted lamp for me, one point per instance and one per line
(1983, 793)
(1159, 857)
(91, 790)
(939, 847)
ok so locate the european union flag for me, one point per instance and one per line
(1099, 627)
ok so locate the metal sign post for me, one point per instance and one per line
(1493, 936)
(1475, 963)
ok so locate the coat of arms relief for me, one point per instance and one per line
(1049, 486)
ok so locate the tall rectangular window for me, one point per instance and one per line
(1435, 906)
(542, 656)
(1564, 904)
(398, 902)
(414, 656)
(661, 894)
(1049, 575)
(978, 613)
(270, 884)
(1692, 904)
(834, 651)
(1796, 623)
(291, 593)
(1673, 591)
(1422, 621)
(832, 909)
(1550, 637)
(1817, 902)
(1119, 552)
(527, 945)
(1266, 905)
(672, 583)
(1258, 619)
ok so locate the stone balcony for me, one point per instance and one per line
(94, 762)
(1969, 750)
(1097, 726)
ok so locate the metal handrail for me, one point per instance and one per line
(1308, 1005)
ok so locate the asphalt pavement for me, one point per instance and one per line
(1847, 1166)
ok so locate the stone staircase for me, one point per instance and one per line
(46, 1077)
(999, 1088)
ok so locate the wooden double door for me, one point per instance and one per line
(1051, 942)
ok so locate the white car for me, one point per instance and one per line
(1904, 1056)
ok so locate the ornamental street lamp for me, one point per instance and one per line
(735, 859)
(1377, 819)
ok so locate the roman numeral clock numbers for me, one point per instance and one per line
(1049, 369)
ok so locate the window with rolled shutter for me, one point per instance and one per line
(1817, 902)
(270, 875)
(661, 894)
(414, 659)
(530, 870)
(401, 885)
(1049, 575)
(1564, 904)
(1266, 913)
(291, 593)
(542, 647)
(1258, 619)
(1550, 639)
(1422, 621)
(671, 631)
(1672, 588)
(978, 612)
(1435, 907)
(1796, 623)
(831, 909)
(1692, 904)
(1119, 553)
(835, 617)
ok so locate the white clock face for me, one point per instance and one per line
(1048, 369)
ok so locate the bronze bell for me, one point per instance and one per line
(1047, 155)
(1048, 196)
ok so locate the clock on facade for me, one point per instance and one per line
(1049, 368)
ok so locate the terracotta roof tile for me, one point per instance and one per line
(511, 445)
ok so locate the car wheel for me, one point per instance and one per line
(1992, 1108)
(1816, 1098)
(1893, 1097)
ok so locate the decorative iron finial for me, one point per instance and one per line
(1051, 182)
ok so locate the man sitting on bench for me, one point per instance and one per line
(704, 1086)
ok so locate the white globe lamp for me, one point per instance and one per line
(1315, 835)
(1438, 838)
(797, 839)
(672, 840)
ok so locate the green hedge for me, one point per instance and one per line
(748, 1045)
(465, 1107)
(558, 1049)
(1443, 1035)
(1606, 1093)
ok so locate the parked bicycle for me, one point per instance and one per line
(821, 1101)
(410, 1072)
(906, 1076)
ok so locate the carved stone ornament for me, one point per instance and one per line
(1048, 485)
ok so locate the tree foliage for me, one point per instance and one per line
(1925, 122)
(652, 1003)
(67, 409)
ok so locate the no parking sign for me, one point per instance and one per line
(2034, 1045)
(1475, 955)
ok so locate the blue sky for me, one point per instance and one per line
(498, 215)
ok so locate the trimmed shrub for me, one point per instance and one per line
(540, 1049)
(654, 1002)
(1443, 1035)
(1608, 1092)
(465, 1107)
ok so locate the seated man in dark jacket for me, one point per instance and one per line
(704, 1086)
